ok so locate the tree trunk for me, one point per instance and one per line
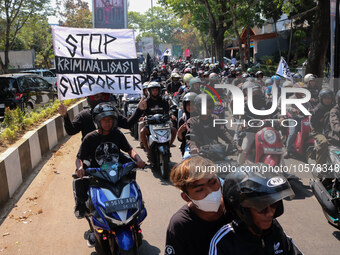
(277, 38)
(232, 9)
(320, 39)
(219, 45)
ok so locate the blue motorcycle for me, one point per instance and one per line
(116, 209)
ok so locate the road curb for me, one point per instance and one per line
(19, 161)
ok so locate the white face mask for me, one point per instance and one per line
(210, 203)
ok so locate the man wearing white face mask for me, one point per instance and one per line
(192, 227)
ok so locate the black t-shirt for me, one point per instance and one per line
(188, 234)
(99, 149)
(157, 106)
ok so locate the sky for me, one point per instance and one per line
(135, 5)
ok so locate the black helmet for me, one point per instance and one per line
(198, 102)
(253, 189)
(337, 97)
(326, 93)
(258, 73)
(188, 97)
(92, 102)
(103, 110)
(154, 84)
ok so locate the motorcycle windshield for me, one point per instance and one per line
(113, 172)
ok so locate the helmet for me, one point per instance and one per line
(187, 77)
(206, 73)
(154, 84)
(194, 81)
(187, 70)
(337, 97)
(287, 84)
(275, 78)
(258, 73)
(176, 70)
(297, 77)
(238, 69)
(198, 102)
(213, 76)
(175, 75)
(104, 110)
(309, 77)
(253, 189)
(249, 70)
(200, 72)
(145, 85)
(232, 69)
(245, 75)
(268, 82)
(92, 102)
(188, 97)
(326, 93)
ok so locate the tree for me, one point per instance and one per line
(37, 35)
(208, 16)
(76, 13)
(158, 22)
(320, 39)
(15, 14)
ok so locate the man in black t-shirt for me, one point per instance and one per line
(155, 105)
(83, 123)
(103, 145)
(192, 227)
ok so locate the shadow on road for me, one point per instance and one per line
(336, 234)
(148, 249)
(156, 173)
(301, 190)
(144, 249)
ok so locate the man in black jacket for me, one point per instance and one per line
(155, 104)
(317, 121)
(255, 200)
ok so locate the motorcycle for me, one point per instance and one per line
(130, 108)
(304, 142)
(268, 146)
(326, 187)
(116, 208)
(159, 142)
(219, 154)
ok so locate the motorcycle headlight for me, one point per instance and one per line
(269, 136)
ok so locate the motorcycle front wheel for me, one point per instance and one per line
(164, 166)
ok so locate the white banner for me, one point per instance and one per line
(91, 61)
(283, 70)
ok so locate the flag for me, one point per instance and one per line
(167, 52)
(283, 69)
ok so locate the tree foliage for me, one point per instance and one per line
(74, 13)
(158, 22)
(14, 15)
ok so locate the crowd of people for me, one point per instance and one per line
(232, 216)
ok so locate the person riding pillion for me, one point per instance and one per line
(255, 200)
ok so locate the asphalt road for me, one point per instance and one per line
(41, 220)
